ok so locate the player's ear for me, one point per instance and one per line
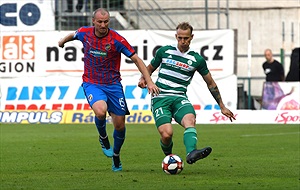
(192, 36)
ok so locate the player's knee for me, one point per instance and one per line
(188, 120)
(100, 114)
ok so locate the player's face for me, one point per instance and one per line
(101, 22)
(184, 38)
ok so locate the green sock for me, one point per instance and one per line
(167, 149)
(190, 139)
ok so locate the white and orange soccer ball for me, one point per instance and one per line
(172, 164)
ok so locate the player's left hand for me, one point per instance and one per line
(153, 89)
(225, 111)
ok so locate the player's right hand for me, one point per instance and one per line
(61, 43)
(225, 111)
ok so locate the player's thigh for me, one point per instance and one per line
(116, 102)
(182, 107)
(161, 109)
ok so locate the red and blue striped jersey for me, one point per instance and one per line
(102, 56)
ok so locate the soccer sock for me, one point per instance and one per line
(167, 149)
(190, 139)
(119, 137)
(101, 127)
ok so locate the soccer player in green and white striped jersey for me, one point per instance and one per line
(177, 66)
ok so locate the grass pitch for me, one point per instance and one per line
(69, 157)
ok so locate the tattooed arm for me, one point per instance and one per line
(213, 88)
(216, 94)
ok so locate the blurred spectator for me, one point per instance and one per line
(273, 69)
(70, 5)
(293, 74)
(109, 4)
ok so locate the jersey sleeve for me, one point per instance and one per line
(122, 45)
(202, 68)
(79, 34)
(157, 59)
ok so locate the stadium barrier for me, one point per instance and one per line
(146, 117)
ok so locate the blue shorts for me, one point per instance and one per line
(112, 94)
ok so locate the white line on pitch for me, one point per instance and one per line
(272, 134)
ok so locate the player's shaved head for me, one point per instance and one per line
(102, 11)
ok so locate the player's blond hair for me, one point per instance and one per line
(185, 26)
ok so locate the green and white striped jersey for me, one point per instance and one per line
(176, 70)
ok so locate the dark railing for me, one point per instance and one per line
(243, 95)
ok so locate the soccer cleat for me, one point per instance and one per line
(107, 150)
(116, 164)
(195, 155)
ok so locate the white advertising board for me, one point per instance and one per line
(31, 54)
(250, 117)
(146, 117)
(65, 93)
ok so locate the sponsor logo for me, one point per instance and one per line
(177, 63)
(29, 14)
(41, 93)
(20, 51)
(218, 116)
(185, 102)
(287, 117)
(97, 53)
(18, 47)
(31, 117)
(88, 117)
(49, 106)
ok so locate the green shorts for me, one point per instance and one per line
(164, 109)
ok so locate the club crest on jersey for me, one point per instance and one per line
(107, 47)
(90, 97)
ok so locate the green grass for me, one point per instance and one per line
(69, 157)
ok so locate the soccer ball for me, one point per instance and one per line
(172, 164)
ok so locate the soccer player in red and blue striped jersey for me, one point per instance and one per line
(102, 79)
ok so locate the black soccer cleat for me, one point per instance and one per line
(116, 163)
(195, 155)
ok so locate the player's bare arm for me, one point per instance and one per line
(214, 90)
(66, 39)
(142, 82)
(152, 88)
